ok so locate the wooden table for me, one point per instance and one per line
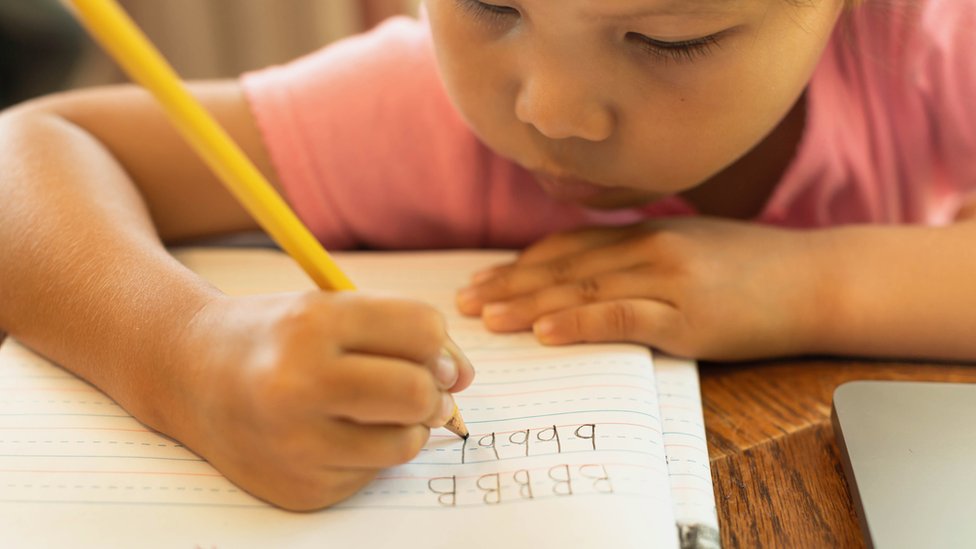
(775, 463)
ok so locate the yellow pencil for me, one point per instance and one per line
(121, 38)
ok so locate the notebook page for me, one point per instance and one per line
(683, 426)
(566, 449)
(687, 452)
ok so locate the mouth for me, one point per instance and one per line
(569, 189)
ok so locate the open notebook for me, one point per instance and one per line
(581, 446)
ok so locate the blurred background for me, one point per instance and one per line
(43, 50)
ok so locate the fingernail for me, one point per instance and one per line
(544, 330)
(447, 371)
(447, 408)
(495, 310)
(467, 296)
(455, 352)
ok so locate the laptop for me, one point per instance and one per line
(909, 453)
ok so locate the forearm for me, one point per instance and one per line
(906, 292)
(84, 278)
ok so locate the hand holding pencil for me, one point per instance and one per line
(374, 397)
(302, 398)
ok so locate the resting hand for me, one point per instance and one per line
(302, 398)
(695, 287)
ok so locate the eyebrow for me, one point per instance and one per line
(670, 7)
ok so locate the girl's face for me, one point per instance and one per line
(615, 103)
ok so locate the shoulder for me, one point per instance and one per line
(948, 25)
(946, 43)
(891, 126)
(905, 36)
(396, 54)
(365, 140)
(908, 60)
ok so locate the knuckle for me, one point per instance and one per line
(560, 270)
(588, 290)
(621, 319)
(301, 316)
(272, 383)
(503, 282)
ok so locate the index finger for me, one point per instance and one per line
(403, 329)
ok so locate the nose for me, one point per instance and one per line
(563, 107)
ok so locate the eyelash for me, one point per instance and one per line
(488, 12)
(682, 51)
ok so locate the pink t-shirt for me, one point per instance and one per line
(371, 152)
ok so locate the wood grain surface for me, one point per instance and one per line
(775, 463)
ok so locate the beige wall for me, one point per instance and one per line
(220, 38)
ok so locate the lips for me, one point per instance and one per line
(567, 188)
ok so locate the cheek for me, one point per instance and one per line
(477, 74)
(777, 64)
(684, 130)
(700, 126)
(452, 47)
(486, 105)
(707, 116)
(481, 89)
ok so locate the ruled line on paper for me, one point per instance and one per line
(544, 443)
(686, 449)
(550, 437)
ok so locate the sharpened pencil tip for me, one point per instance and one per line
(456, 424)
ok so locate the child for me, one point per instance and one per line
(825, 148)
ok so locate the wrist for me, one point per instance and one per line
(859, 283)
(823, 292)
(168, 402)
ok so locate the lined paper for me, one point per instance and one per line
(687, 452)
(568, 446)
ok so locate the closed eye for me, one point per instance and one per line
(682, 51)
(486, 10)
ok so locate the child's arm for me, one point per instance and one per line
(298, 398)
(726, 290)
